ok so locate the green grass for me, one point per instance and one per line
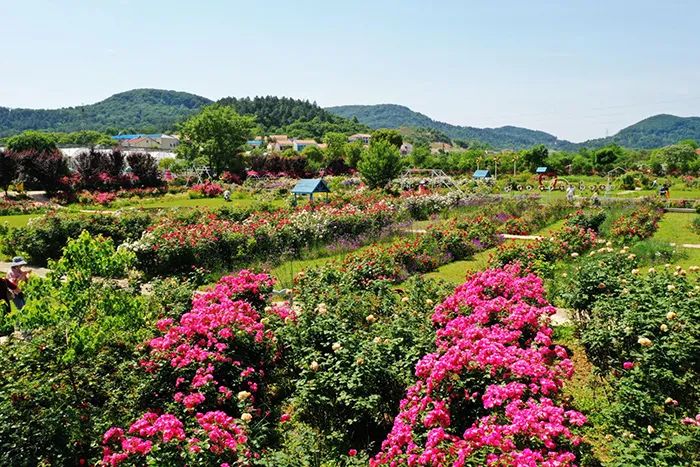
(456, 272)
(19, 220)
(551, 228)
(285, 272)
(675, 227)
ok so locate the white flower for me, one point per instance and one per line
(246, 417)
(405, 299)
(429, 302)
(370, 319)
(377, 340)
(644, 342)
(574, 255)
(652, 270)
(635, 272)
(336, 346)
(670, 287)
(314, 366)
(663, 328)
(671, 315)
(650, 429)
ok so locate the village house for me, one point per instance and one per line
(300, 144)
(360, 137)
(143, 141)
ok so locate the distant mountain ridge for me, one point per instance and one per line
(138, 110)
(157, 110)
(397, 116)
(653, 132)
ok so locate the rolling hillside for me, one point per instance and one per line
(653, 132)
(397, 116)
(138, 110)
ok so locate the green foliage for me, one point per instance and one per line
(380, 164)
(31, 141)
(653, 324)
(294, 117)
(677, 157)
(64, 385)
(336, 146)
(217, 133)
(138, 110)
(397, 116)
(353, 153)
(535, 157)
(392, 137)
(353, 352)
(653, 132)
(45, 237)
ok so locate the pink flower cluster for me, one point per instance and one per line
(210, 342)
(208, 188)
(490, 390)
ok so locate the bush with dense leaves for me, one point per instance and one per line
(44, 238)
(637, 225)
(646, 339)
(65, 376)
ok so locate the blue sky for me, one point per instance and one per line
(577, 69)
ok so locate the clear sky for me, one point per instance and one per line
(577, 69)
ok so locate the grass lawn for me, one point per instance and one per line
(456, 272)
(551, 228)
(675, 228)
(19, 220)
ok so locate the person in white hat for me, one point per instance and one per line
(16, 276)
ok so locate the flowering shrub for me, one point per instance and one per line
(208, 189)
(540, 255)
(215, 358)
(10, 207)
(176, 245)
(352, 353)
(44, 238)
(645, 337)
(588, 220)
(638, 225)
(490, 393)
(104, 199)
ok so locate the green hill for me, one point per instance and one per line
(653, 132)
(397, 116)
(295, 117)
(138, 110)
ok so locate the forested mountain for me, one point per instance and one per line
(396, 116)
(138, 110)
(292, 116)
(653, 132)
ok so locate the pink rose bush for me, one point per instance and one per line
(213, 361)
(490, 394)
(207, 189)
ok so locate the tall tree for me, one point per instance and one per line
(535, 156)
(380, 164)
(392, 137)
(217, 133)
(32, 141)
(336, 146)
(8, 170)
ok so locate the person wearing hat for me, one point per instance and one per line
(15, 277)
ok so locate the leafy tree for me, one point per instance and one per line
(31, 141)
(535, 156)
(580, 164)
(336, 146)
(217, 133)
(8, 170)
(393, 137)
(605, 157)
(380, 164)
(145, 167)
(677, 157)
(420, 157)
(42, 169)
(353, 153)
(314, 155)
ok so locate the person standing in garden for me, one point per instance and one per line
(15, 277)
(570, 193)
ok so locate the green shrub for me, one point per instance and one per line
(646, 339)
